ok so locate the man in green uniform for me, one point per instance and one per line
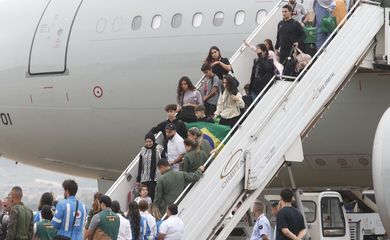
(172, 183)
(44, 230)
(104, 225)
(21, 222)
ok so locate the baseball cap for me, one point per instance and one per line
(170, 126)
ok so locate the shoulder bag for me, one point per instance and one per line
(59, 237)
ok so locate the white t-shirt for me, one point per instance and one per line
(151, 222)
(124, 228)
(175, 149)
(173, 227)
(147, 199)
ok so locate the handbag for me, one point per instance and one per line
(328, 23)
(290, 65)
(302, 59)
(59, 237)
(187, 114)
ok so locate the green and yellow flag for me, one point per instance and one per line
(214, 133)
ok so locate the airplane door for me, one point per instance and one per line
(49, 47)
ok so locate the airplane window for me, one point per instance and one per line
(156, 21)
(309, 208)
(240, 18)
(197, 20)
(261, 15)
(137, 22)
(118, 24)
(218, 19)
(176, 20)
(101, 25)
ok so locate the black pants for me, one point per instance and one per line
(229, 122)
(284, 53)
(151, 188)
(210, 109)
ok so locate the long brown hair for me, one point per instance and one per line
(179, 91)
(96, 204)
(209, 58)
(270, 44)
(155, 211)
(230, 86)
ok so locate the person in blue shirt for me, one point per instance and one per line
(262, 229)
(69, 222)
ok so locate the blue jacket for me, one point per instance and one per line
(145, 229)
(64, 215)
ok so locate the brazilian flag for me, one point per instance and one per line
(214, 133)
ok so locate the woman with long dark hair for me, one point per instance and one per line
(136, 221)
(188, 97)
(219, 65)
(46, 199)
(149, 155)
(229, 103)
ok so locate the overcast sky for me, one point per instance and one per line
(36, 181)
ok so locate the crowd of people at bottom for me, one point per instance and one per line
(69, 219)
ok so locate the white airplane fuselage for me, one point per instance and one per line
(80, 87)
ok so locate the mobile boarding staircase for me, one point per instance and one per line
(273, 128)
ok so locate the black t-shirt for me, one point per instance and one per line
(219, 70)
(289, 32)
(180, 128)
(291, 218)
